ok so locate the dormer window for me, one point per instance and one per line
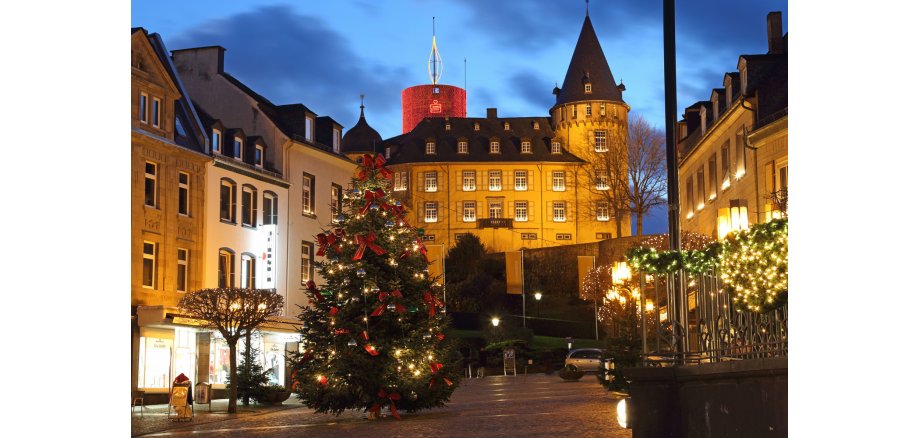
(447, 126)
(429, 148)
(703, 119)
(525, 147)
(476, 126)
(743, 68)
(715, 107)
(462, 147)
(507, 126)
(588, 88)
(258, 158)
(308, 129)
(237, 148)
(556, 148)
(336, 140)
(215, 140)
(386, 153)
(536, 125)
(728, 92)
(493, 147)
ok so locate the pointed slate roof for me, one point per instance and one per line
(588, 64)
(361, 137)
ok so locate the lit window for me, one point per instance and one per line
(726, 167)
(526, 148)
(249, 272)
(588, 89)
(493, 147)
(142, 110)
(713, 177)
(183, 193)
(574, 111)
(688, 195)
(336, 140)
(148, 278)
(431, 181)
(308, 129)
(306, 262)
(588, 110)
(507, 126)
(336, 200)
(258, 156)
(215, 140)
(740, 158)
(603, 109)
(476, 126)
(564, 236)
(249, 206)
(269, 208)
(429, 148)
(558, 181)
(558, 211)
(602, 236)
(520, 211)
(237, 148)
(495, 180)
(227, 201)
(225, 269)
(495, 209)
(700, 188)
(536, 125)
(601, 181)
(401, 181)
(182, 270)
(155, 112)
(150, 184)
(556, 148)
(308, 184)
(520, 180)
(600, 141)
(469, 180)
(462, 147)
(603, 211)
(431, 212)
(469, 211)
(447, 126)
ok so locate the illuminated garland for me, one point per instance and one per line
(652, 261)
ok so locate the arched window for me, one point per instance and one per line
(269, 208)
(227, 200)
(250, 205)
(226, 274)
(248, 271)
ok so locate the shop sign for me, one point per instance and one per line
(270, 237)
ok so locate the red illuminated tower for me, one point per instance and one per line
(432, 100)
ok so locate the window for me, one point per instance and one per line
(149, 275)
(308, 129)
(431, 212)
(269, 208)
(142, 108)
(556, 148)
(558, 181)
(520, 211)
(386, 153)
(558, 211)
(600, 141)
(227, 201)
(150, 184)
(336, 200)
(601, 180)
(700, 188)
(520, 180)
(493, 147)
(469, 211)
(703, 119)
(476, 126)
(726, 176)
(429, 148)
(602, 236)
(713, 178)
(536, 125)
(258, 156)
(574, 111)
(689, 197)
(495, 180)
(237, 148)
(587, 110)
(249, 272)
(603, 109)
(308, 185)
(564, 236)
(225, 268)
(447, 126)
(183, 193)
(526, 148)
(507, 126)
(741, 164)
(462, 147)
(495, 209)
(603, 211)
(215, 140)
(401, 181)
(182, 270)
(336, 140)
(155, 112)
(528, 236)
(248, 202)
(588, 89)
(469, 180)
(431, 181)
(306, 262)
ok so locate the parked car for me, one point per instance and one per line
(586, 359)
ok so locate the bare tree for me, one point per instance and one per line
(233, 312)
(647, 175)
(605, 174)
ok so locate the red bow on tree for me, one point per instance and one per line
(371, 350)
(324, 241)
(396, 210)
(422, 249)
(370, 164)
(371, 197)
(333, 311)
(387, 398)
(367, 241)
(432, 302)
(311, 287)
(440, 337)
(341, 331)
(435, 368)
(383, 297)
(323, 381)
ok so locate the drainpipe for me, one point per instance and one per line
(747, 145)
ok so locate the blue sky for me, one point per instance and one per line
(324, 54)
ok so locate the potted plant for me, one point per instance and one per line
(274, 395)
(571, 373)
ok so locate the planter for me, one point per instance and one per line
(275, 396)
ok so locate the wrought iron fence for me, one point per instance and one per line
(698, 322)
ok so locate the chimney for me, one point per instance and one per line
(775, 33)
(492, 113)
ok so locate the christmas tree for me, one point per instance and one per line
(373, 338)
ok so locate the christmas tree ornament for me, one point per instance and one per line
(352, 342)
(390, 224)
(361, 272)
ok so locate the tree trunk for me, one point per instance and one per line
(231, 404)
(619, 218)
(247, 360)
(638, 224)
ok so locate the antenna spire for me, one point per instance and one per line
(586, 8)
(435, 65)
(362, 106)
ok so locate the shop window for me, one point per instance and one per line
(219, 361)
(153, 362)
(185, 357)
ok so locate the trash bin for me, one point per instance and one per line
(203, 393)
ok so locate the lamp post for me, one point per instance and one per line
(537, 296)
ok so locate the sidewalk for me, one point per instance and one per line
(154, 418)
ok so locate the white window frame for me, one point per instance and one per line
(507, 126)
(602, 108)
(336, 140)
(247, 271)
(463, 147)
(603, 211)
(253, 213)
(558, 176)
(496, 210)
(601, 180)
(231, 201)
(152, 256)
(600, 141)
(520, 180)
(308, 129)
(184, 187)
(431, 181)
(229, 270)
(587, 110)
(269, 208)
(556, 147)
(495, 180)
(237, 152)
(469, 211)
(307, 197)
(400, 181)
(574, 111)
(142, 108)
(469, 180)
(306, 262)
(588, 89)
(156, 186)
(216, 137)
(429, 148)
(259, 156)
(447, 126)
(520, 211)
(476, 126)
(182, 270)
(157, 106)
(526, 147)
(558, 211)
(431, 212)
(336, 201)
(494, 147)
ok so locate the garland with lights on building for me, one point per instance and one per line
(753, 264)
(373, 336)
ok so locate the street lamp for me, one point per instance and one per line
(537, 296)
(495, 321)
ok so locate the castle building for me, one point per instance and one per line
(733, 148)
(522, 182)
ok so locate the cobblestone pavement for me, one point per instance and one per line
(532, 406)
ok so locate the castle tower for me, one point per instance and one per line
(361, 139)
(432, 100)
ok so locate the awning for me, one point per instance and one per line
(167, 317)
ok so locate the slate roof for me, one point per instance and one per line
(588, 64)
(410, 147)
(361, 137)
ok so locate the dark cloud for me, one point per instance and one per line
(293, 58)
(534, 90)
